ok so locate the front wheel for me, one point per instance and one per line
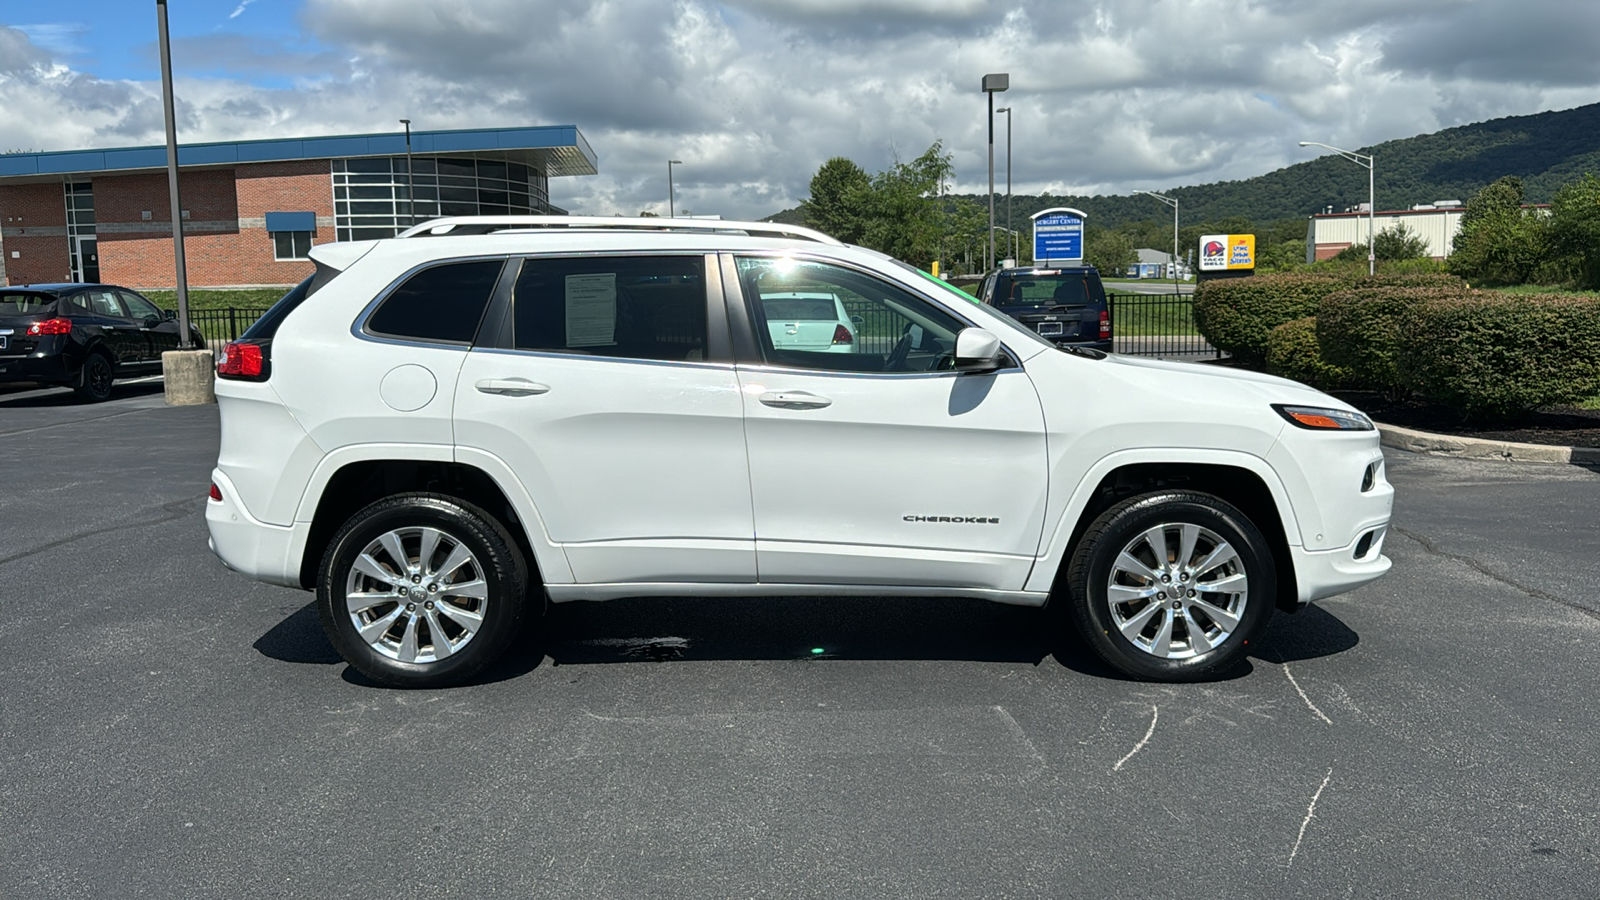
(1172, 586)
(421, 590)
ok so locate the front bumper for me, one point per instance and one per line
(1323, 573)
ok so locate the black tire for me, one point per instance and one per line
(495, 561)
(1204, 639)
(94, 379)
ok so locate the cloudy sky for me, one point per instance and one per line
(753, 95)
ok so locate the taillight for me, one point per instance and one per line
(842, 335)
(241, 360)
(216, 492)
(1105, 324)
(51, 326)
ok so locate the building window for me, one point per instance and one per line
(291, 245)
(374, 197)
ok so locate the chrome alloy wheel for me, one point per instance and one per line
(416, 595)
(1177, 590)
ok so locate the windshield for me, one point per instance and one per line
(25, 303)
(1069, 288)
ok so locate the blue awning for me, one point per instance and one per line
(291, 221)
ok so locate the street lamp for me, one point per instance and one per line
(411, 179)
(184, 338)
(1174, 204)
(1007, 111)
(1372, 202)
(672, 208)
(993, 84)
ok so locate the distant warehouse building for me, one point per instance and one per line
(253, 209)
(1436, 223)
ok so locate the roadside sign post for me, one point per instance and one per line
(1058, 236)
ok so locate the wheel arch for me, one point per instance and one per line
(1244, 481)
(356, 483)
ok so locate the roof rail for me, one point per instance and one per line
(473, 225)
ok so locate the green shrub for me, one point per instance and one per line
(1360, 328)
(1292, 352)
(1490, 355)
(1238, 314)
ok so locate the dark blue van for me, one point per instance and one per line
(1065, 305)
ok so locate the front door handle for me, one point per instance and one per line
(512, 387)
(794, 400)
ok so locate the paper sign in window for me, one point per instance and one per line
(592, 310)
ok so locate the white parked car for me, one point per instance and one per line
(440, 432)
(808, 320)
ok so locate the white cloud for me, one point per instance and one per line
(753, 95)
(239, 10)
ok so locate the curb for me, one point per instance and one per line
(1478, 448)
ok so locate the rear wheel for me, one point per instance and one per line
(94, 380)
(1172, 586)
(421, 590)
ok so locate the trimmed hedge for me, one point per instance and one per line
(1293, 353)
(1237, 315)
(1493, 355)
(1359, 329)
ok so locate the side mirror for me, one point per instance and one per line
(978, 351)
(170, 314)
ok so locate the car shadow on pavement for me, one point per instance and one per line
(663, 630)
(46, 396)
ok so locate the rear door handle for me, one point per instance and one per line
(794, 400)
(512, 387)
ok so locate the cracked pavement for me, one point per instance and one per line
(170, 729)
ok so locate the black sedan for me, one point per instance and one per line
(82, 336)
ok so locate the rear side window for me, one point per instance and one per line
(441, 303)
(634, 307)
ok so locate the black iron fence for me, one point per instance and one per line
(1157, 325)
(219, 326)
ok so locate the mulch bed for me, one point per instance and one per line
(1562, 425)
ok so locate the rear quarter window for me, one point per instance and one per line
(440, 303)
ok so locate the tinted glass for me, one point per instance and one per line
(808, 308)
(104, 303)
(637, 307)
(25, 304)
(441, 303)
(1048, 288)
(894, 330)
(137, 306)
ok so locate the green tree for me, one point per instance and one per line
(1500, 241)
(904, 217)
(839, 201)
(1575, 227)
(1399, 243)
(1109, 251)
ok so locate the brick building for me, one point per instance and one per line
(253, 209)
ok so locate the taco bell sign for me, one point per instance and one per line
(1058, 236)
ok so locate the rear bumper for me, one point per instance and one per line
(269, 553)
(52, 368)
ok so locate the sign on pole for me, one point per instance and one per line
(1220, 252)
(1058, 236)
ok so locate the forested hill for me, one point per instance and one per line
(1546, 151)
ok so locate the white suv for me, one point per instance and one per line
(442, 431)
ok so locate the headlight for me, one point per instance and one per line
(1318, 418)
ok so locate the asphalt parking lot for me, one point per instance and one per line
(169, 729)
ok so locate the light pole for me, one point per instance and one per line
(672, 205)
(1174, 204)
(1372, 200)
(172, 179)
(411, 180)
(992, 84)
(1007, 111)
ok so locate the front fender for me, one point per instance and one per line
(1043, 575)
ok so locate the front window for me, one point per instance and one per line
(875, 326)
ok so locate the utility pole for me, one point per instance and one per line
(172, 178)
(992, 84)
